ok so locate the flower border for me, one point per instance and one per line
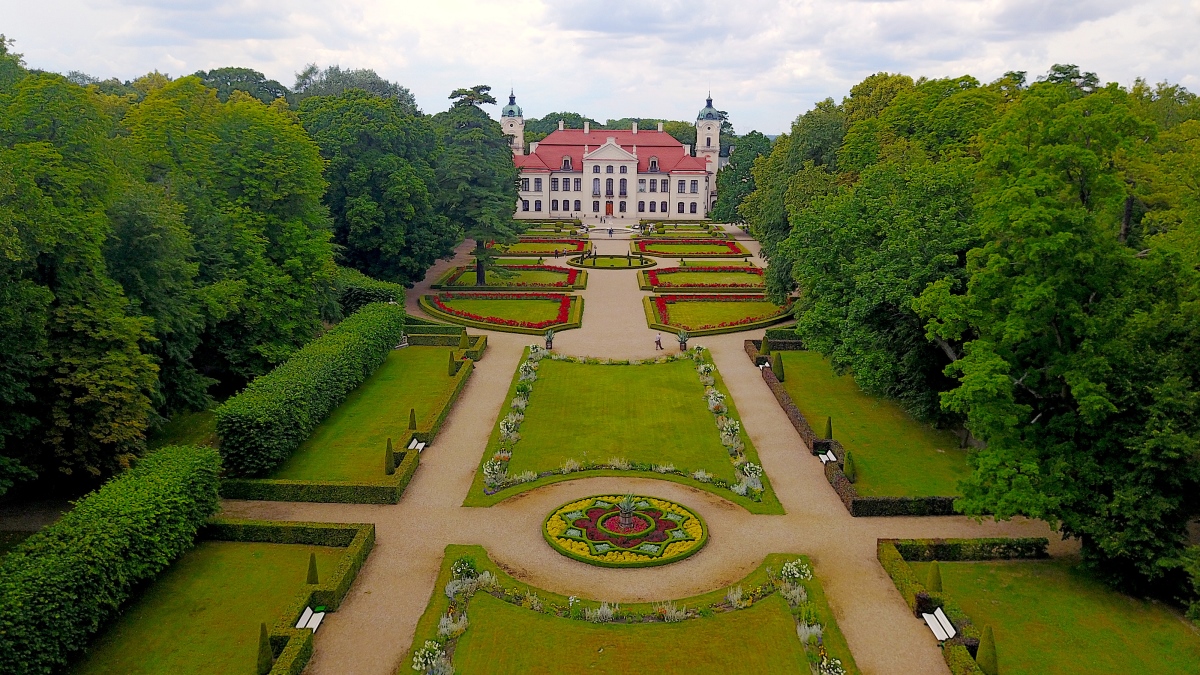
(735, 250)
(652, 276)
(564, 307)
(554, 525)
(664, 315)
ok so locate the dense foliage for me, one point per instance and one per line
(63, 583)
(261, 426)
(734, 180)
(356, 289)
(1020, 259)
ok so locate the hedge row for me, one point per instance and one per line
(292, 646)
(356, 290)
(63, 583)
(264, 424)
(994, 548)
(475, 353)
(783, 333)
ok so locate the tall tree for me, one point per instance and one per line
(735, 180)
(476, 173)
(228, 80)
(312, 81)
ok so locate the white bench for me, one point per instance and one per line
(412, 445)
(828, 457)
(940, 625)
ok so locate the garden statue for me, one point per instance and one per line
(683, 339)
(549, 337)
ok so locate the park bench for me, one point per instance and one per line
(828, 457)
(940, 625)
(415, 445)
(310, 619)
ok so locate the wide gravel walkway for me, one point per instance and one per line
(372, 631)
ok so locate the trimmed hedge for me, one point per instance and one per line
(356, 290)
(63, 583)
(294, 646)
(264, 424)
(992, 548)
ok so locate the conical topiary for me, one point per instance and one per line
(933, 581)
(777, 366)
(312, 568)
(451, 369)
(265, 657)
(851, 472)
(464, 342)
(765, 350)
(985, 658)
(829, 428)
(412, 419)
(389, 459)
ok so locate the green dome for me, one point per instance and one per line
(512, 109)
(708, 112)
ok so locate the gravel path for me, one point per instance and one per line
(373, 629)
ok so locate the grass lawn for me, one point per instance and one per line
(896, 455)
(539, 248)
(760, 639)
(532, 311)
(349, 444)
(677, 249)
(616, 261)
(707, 278)
(189, 428)
(527, 277)
(203, 614)
(698, 315)
(1050, 617)
(652, 413)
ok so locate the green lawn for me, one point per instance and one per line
(699, 314)
(707, 278)
(760, 639)
(349, 444)
(536, 248)
(1050, 617)
(653, 413)
(203, 614)
(532, 311)
(189, 428)
(527, 277)
(674, 249)
(617, 261)
(896, 455)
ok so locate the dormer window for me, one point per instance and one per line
(653, 164)
(566, 165)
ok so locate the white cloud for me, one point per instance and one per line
(765, 60)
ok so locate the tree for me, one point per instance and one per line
(383, 189)
(735, 180)
(684, 132)
(312, 81)
(228, 80)
(478, 181)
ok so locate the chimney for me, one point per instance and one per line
(533, 147)
(660, 126)
(560, 125)
(635, 127)
(687, 149)
(587, 127)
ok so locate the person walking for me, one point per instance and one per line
(610, 233)
(658, 341)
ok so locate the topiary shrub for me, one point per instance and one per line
(412, 419)
(274, 414)
(829, 428)
(777, 366)
(986, 657)
(65, 582)
(933, 581)
(266, 659)
(464, 343)
(389, 459)
(312, 569)
(356, 290)
(765, 350)
(850, 469)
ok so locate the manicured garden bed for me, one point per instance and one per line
(1049, 616)
(529, 276)
(597, 418)
(620, 262)
(530, 313)
(700, 634)
(712, 314)
(703, 279)
(894, 454)
(542, 246)
(592, 530)
(690, 248)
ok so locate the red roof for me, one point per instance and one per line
(645, 144)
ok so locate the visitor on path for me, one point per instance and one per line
(610, 233)
(555, 254)
(658, 341)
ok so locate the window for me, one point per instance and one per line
(566, 165)
(652, 207)
(524, 185)
(595, 168)
(524, 204)
(608, 185)
(624, 185)
(554, 205)
(624, 169)
(596, 187)
(537, 205)
(578, 186)
(662, 186)
(693, 207)
(641, 185)
(595, 207)
(695, 186)
(553, 184)
(679, 208)
(662, 206)
(537, 185)
(621, 207)
(653, 165)
(682, 187)
(608, 169)
(653, 185)
(577, 205)
(642, 206)
(708, 142)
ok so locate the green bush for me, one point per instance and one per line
(958, 658)
(990, 548)
(934, 580)
(986, 657)
(902, 575)
(829, 428)
(356, 290)
(261, 427)
(63, 583)
(765, 350)
(266, 659)
(850, 469)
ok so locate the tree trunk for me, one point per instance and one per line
(479, 270)
(1126, 219)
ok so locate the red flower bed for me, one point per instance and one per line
(564, 307)
(572, 275)
(577, 245)
(652, 275)
(661, 302)
(645, 245)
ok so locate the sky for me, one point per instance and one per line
(764, 61)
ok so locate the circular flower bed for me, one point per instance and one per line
(648, 531)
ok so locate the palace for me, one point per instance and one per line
(623, 174)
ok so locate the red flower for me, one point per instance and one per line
(564, 307)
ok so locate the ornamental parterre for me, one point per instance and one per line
(651, 246)
(647, 532)
(571, 274)
(662, 302)
(564, 307)
(656, 280)
(565, 245)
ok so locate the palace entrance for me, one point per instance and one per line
(608, 208)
